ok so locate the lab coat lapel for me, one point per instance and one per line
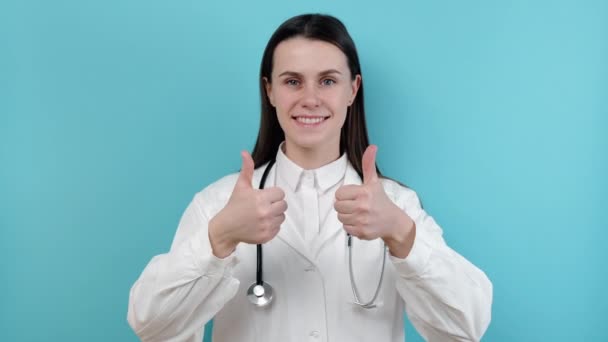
(288, 232)
(290, 235)
(334, 226)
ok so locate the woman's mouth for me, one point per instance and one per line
(309, 121)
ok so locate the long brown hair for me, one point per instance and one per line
(353, 137)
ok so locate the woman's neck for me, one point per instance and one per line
(310, 158)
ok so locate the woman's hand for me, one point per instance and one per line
(367, 213)
(251, 215)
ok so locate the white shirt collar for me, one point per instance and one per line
(326, 176)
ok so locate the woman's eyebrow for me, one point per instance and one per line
(289, 73)
(297, 74)
(330, 71)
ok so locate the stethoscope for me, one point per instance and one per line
(261, 293)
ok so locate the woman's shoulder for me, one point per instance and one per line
(400, 193)
(214, 196)
(220, 188)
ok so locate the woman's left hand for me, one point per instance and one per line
(367, 213)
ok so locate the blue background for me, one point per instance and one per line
(114, 113)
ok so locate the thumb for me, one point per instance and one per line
(246, 174)
(369, 164)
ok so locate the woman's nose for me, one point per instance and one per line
(310, 96)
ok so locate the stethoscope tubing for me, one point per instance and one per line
(259, 280)
(370, 304)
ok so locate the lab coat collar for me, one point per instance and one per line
(289, 233)
(326, 176)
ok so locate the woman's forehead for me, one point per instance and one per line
(308, 56)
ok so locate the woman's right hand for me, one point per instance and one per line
(251, 215)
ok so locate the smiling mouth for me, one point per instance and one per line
(309, 120)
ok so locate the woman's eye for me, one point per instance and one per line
(328, 82)
(292, 82)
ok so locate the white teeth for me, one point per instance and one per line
(309, 121)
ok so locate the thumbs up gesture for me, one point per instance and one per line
(367, 213)
(251, 215)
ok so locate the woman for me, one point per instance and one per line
(323, 188)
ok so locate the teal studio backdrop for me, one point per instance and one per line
(114, 113)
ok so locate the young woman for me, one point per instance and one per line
(346, 251)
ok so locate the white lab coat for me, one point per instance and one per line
(446, 297)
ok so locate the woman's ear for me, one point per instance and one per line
(355, 84)
(268, 87)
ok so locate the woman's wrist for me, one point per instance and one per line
(401, 241)
(221, 245)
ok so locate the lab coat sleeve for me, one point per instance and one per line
(180, 291)
(446, 297)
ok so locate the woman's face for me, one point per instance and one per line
(311, 88)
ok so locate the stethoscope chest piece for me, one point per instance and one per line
(260, 295)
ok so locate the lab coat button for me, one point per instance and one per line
(309, 269)
(315, 334)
